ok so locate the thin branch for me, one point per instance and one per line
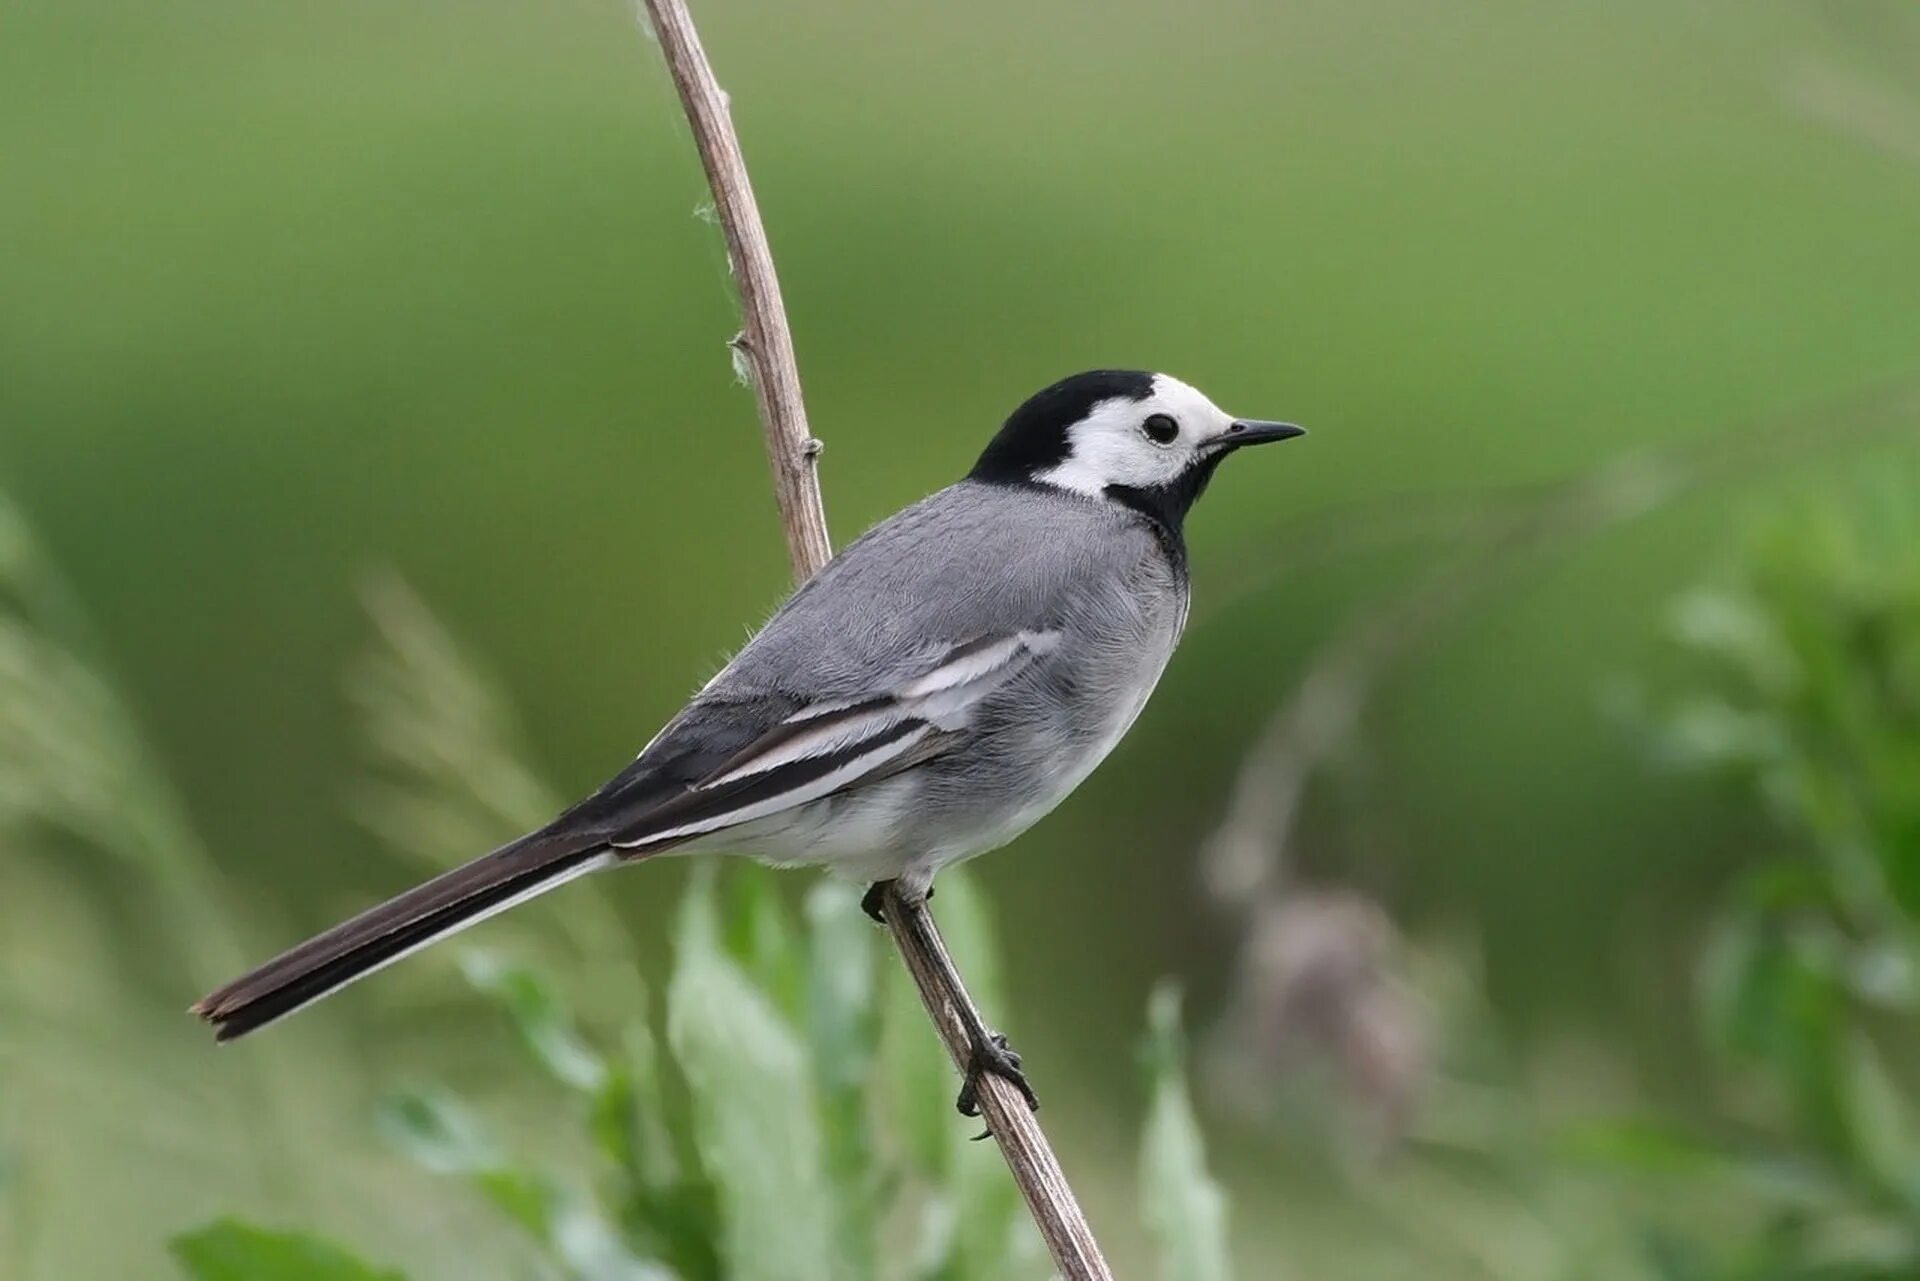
(768, 348)
(765, 343)
(1042, 1182)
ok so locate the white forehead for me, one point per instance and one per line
(1108, 447)
(1189, 407)
(1121, 416)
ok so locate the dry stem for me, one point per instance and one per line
(764, 340)
(768, 348)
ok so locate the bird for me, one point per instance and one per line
(939, 686)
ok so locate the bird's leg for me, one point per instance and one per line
(987, 1051)
(874, 901)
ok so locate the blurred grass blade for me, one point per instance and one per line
(446, 744)
(449, 776)
(754, 1103)
(436, 1131)
(229, 1250)
(1641, 1148)
(920, 1079)
(80, 784)
(1183, 1208)
(759, 934)
(840, 987)
(1886, 1139)
(440, 1134)
(625, 1119)
(843, 1030)
(977, 1227)
(634, 1123)
(591, 1251)
(538, 1016)
(74, 765)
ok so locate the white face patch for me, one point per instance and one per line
(1110, 446)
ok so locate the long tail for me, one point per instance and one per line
(382, 935)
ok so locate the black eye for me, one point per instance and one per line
(1160, 428)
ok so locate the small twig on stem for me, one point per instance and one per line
(767, 347)
(764, 343)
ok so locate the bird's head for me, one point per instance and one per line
(1146, 440)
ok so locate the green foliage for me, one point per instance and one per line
(647, 1205)
(755, 1114)
(537, 1015)
(232, 1251)
(1802, 687)
(770, 1145)
(1185, 1209)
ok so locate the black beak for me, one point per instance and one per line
(1251, 431)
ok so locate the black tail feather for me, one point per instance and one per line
(383, 934)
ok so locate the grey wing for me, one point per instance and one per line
(875, 665)
(734, 757)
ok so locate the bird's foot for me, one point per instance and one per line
(993, 1055)
(874, 901)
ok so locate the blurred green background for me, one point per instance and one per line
(296, 292)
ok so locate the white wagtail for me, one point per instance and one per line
(933, 692)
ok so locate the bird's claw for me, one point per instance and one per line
(874, 901)
(993, 1056)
